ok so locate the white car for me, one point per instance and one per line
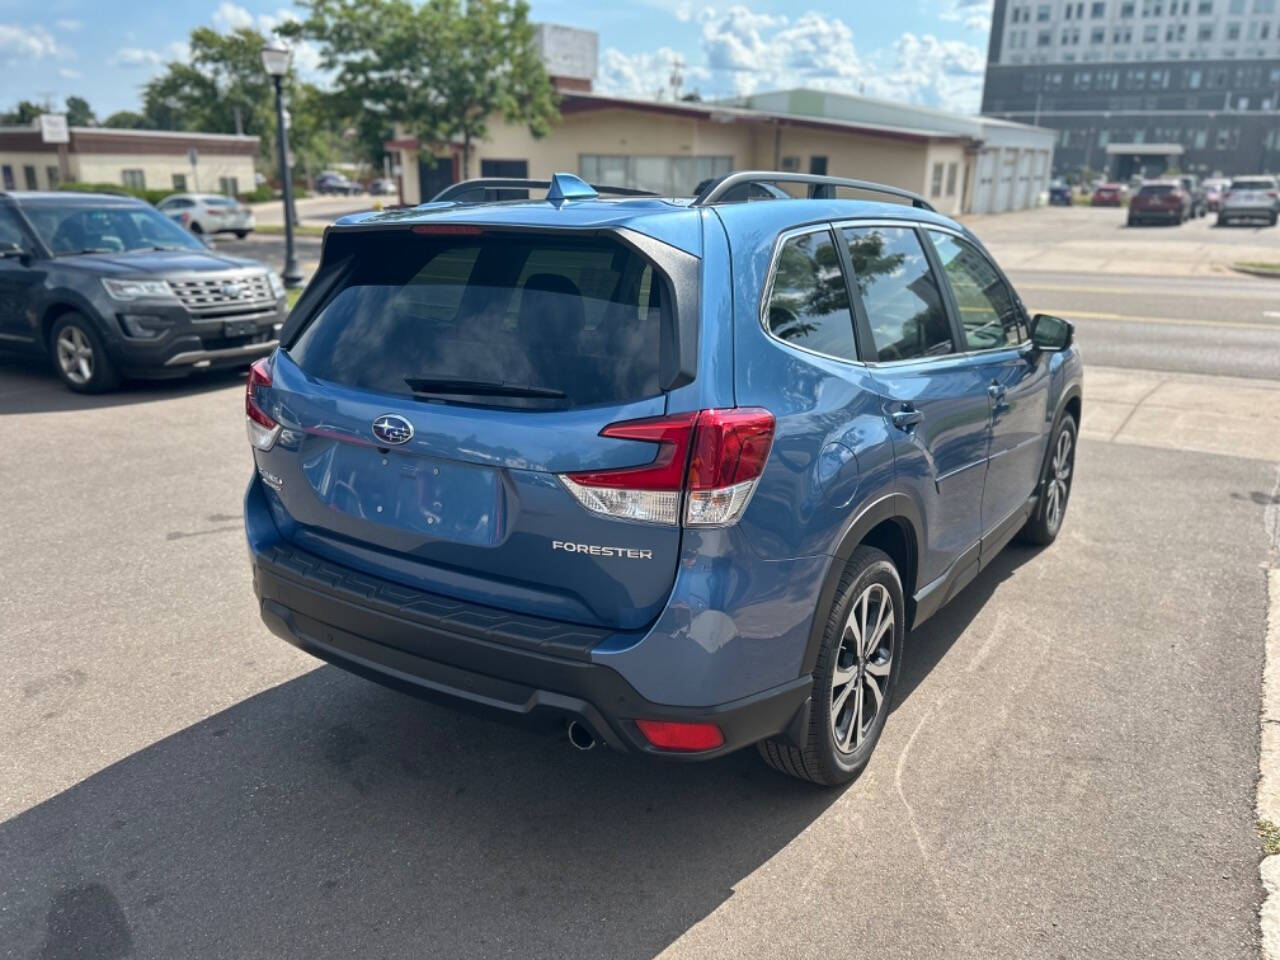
(1250, 198)
(208, 213)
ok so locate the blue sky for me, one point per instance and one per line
(921, 51)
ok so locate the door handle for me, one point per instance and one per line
(907, 417)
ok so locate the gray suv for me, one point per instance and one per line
(107, 287)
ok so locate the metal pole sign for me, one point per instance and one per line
(193, 157)
(53, 128)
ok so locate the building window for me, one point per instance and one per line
(180, 182)
(1043, 12)
(1126, 10)
(1205, 8)
(1264, 6)
(133, 178)
(54, 176)
(1204, 32)
(669, 176)
(1264, 31)
(228, 186)
(1098, 10)
(818, 166)
(1233, 31)
(952, 170)
(935, 188)
(1235, 7)
(29, 176)
(6, 173)
(1150, 33)
(1098, 35)
(1044, 38)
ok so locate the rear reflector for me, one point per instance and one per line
(689, 737)
(712, 458)
(262, 429)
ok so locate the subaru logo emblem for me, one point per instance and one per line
(232, 290)
(392, 429)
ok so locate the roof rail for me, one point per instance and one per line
(820, 187)
(480, 186)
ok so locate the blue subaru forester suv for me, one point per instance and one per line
(676, 475)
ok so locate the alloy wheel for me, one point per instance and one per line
(75, 355)
(1059, 480)
(863, 664)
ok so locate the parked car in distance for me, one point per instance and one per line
(1195, 192)
(1107, 195)
(330, 182)
(1214, 188)
(383, 187)
(1059, 195)
(106, 287)
(655, 473)
(209, 213)
(1250, 198)
(1159, 201)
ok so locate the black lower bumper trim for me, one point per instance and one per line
(519, 685)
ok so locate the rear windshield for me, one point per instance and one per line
(542, 322)
(1156, 189)
(1256, 183)
(219, 202)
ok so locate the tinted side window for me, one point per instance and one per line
(900, 294)
(809, 303)
(988, 314)
(10, 231)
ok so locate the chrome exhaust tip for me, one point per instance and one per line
(580, 736)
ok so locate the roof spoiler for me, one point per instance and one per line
(820, 187)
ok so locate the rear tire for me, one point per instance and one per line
(1222, 221)
(1274, 218)
(855, 676)
(196, 228)
(241, 234)
(80, 357)
(1055, 487)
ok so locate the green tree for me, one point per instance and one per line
(443, 68)
(23, 115)
(79, 113)
(127, 120)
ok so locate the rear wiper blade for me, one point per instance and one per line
(480, 388)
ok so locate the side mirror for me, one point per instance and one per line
(1051, 333)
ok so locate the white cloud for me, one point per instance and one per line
(148, 57)
(69, 25)
(230, 16)
(68, 74)
(974, 14)
(745, 52)
(29, 43)
(646, 75)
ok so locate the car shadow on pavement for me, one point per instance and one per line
(329, 817)
(28, 385)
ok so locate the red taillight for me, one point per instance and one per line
(688, 737)
(713, 456)
(263, 430)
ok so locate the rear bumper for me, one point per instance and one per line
(536, 673)
(1251, 213)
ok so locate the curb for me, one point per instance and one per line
(1257, 272)
(1268, 807)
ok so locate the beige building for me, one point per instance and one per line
(150, 159)
(960, 163)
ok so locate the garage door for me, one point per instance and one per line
(985, 184)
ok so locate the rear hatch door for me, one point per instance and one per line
(437, 393)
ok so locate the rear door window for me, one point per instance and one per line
(989, 316)
(540, 322)
(899, 292)
(809, 301)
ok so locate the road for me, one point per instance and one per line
(1068, 771)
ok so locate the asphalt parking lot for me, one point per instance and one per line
(1069, 770)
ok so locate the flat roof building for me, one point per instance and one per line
(144, 159)
(1201, 75)
(959, 163)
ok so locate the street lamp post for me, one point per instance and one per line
(275, 60)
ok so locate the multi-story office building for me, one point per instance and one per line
(1134, 86)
